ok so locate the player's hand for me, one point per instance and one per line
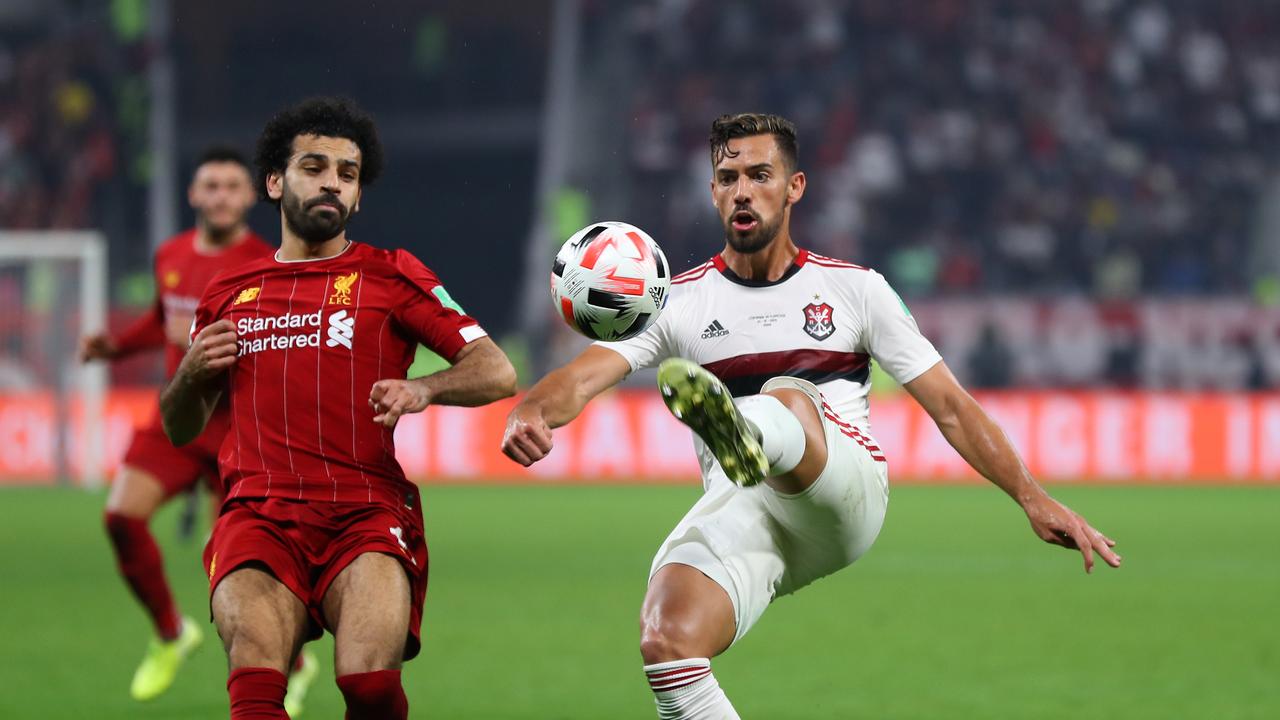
(212, 351)
(1056, 523)
(98, 347)
(528, 437)
(392, 398)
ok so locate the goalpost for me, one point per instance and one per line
(53, 290)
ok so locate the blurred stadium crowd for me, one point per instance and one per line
(72, 125)
(975, 146)
(1126, 153)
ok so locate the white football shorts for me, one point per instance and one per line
(759, 544)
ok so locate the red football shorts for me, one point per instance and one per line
(179, 468)
(306, 544)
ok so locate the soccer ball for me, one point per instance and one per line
(610, 280)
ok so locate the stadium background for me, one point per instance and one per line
(1079, 201)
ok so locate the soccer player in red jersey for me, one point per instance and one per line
(321, 529)
(153, 471)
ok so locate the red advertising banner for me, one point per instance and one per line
(628, 436)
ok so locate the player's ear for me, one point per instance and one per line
(795, 187)
(275, 185)
(355, 206)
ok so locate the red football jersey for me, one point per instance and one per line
(314, 336)
(182, 274)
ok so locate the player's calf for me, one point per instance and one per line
(792, 435)
(377, 695)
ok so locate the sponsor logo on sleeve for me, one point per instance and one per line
(443, 296)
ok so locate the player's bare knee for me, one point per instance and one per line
(663, 640)
(802, 407)
(371, 656)
(814, 459)
(135, 494)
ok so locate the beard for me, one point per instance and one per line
(755, 239)
(313, 227)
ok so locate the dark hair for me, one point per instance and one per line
(728, 127)
(325, 116)
(223, 153)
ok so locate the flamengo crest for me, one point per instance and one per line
(817, 321)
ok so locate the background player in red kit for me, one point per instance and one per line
(153, 470)
(320, 528)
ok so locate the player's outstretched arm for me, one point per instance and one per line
(986, 448)
(480, 374)
(558, 398)
(189, 399)
(145, 333)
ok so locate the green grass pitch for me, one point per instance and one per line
(957, 612)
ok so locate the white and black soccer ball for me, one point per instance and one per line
(610, 281)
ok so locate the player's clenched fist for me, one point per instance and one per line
(528, 437)
(98, 347)
(212, 351)
(392, 398)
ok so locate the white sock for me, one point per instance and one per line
(780, 432)
(686, 690)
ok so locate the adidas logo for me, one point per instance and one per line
(714, 330)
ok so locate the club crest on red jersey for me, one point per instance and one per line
(818, 321)
(342, 289)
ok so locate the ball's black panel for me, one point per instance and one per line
(591, 235)
(661, 262)
(635, 327)
(608, 300)
(557, 268)
(583, 324)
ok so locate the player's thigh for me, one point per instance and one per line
(262, 623)
(838, 517)
(685, 614)
(153, 470)
(368, 608)
(729, 538)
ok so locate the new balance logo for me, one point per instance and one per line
(342, 329)
(714, 330)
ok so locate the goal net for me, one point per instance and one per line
(53, 290)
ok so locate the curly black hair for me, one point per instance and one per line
(326, 116)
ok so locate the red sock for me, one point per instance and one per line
(257, 694)
(374, 696)
(138, 557)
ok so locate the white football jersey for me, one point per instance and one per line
(823, 321)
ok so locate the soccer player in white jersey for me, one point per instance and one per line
(765, 353)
